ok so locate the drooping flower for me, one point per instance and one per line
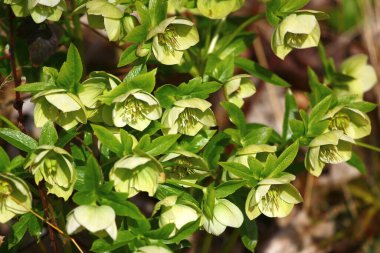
(176, 213)
(296, 31)
(237, 88)
(218, 9)
(188, 117)
(96, 219)
(136, 108)
(59, 106)
(55, 166)
(225, 214)
(364, 75)
(273, 197)
(332, 147)
(109, 15)
(185, 166)
(171, 38)
(133, 174)
(353, 122)
(40, 10)
(15, 197)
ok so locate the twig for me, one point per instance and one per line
(18, 101)
(48, 223)
(53, 242)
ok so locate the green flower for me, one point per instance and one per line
(40, 10)
(176, 213)
(90, 91)
(218, 9)
(99, 220)
(354, 123)
(364, 74)
(55, 166)
(136, 108)
(238, 88)
(225, 214)
(184, 165)
(15, 197)
(188, 117)
(133, 174)
(152, 249)
(108, 15)
(273, 197)
(58, 106)
(295, 31)
(332, 147)
(171, 38)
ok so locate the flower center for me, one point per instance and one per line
(329, 154)
(294, 39)
(188, 118)
(270, 200)
(183, 167)
(135, 110)
(340, 121)
(5, 189)
(168, 40)
(51, 166)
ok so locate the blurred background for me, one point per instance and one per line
(341, 209)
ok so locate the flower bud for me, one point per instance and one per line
(295, 31)
(188, 117)
(238, 88)
(216, 9)
(96, 219)
(55, 166)
(364, 75)
(15, 197)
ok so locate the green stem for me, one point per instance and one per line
(241, 28)
(231, 242)
(179, 182)
(206, 243)
(215, 39)
(365, 145)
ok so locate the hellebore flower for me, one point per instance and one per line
(364, 74)
(273, 197)
(15, 197)
(96, 219)
(176, 213)
(40, 10)
(152, 249)
(184, 165)
(238, 88)
(171, 37)
(295, 31)
(106, 14)
(136, 108)
(55, 166)
(218, 9)
(188, 117)
(133, 174)
(58, 106)
(90, 92)
(354, 123)
(225, 214)
(331, 147)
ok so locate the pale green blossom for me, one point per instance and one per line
(238, 88)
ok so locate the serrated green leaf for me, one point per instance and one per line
(160, 233)
(166, 95)
(4, 159)
(35, 87)
(128, 56)
(48, 134)
(260, 72)
(235, 115)
(157, 11)
(108, 139)
(227, 188)
(107, 245)
(184, 232)
(162, 144)
(283, 161)
(237, 169)
(221, 70)
(71, 70)
(145, 81)
(18, 139)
